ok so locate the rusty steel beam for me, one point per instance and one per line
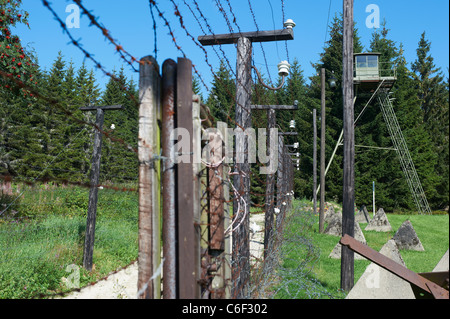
(381, 260)
(169, 77)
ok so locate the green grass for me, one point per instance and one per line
(432, 230)
(47, 235)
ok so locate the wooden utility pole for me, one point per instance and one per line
(241, 242)
(315, 164)
(348, 202)
(270, 189)
(322, 153)
(95, 175)
(241, 247)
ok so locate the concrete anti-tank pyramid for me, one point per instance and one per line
(378, 283)
(406, 237)
(358, 235)
(360, 217)
(379, 222)
(330, 214)
(334, 226)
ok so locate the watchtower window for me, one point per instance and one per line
(361, 61)
(372, 61)
(366, 61)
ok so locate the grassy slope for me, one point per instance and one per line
(34, 253)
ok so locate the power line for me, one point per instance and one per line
(326, 28)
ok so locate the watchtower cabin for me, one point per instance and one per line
(369, 72)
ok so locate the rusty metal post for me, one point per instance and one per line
(188, 231)
(169, 75)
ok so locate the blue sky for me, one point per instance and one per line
(130, 23)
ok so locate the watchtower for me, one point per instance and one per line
(370, 73)
(377, 78)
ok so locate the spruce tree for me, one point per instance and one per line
(221, 100)
(121, 127)
(432, 92)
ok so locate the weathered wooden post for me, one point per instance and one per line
(315, 164)
(322, 153)
(95, 175)
(149, 286)
(280, 180)
(241, 245)
(348, 202)
(270, 192)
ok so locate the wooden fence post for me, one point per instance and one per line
(149, 286)
(270, 192)
(226, 261)
(95, 175)
(93, 193)
(280, 181)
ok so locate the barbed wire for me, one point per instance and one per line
(89, 56)
(262, 47)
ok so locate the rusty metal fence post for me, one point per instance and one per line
(169, 77)
(188, 231)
